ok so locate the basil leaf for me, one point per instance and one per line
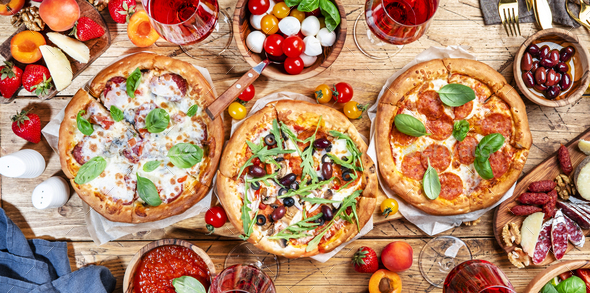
(572, 284)
(192, 110)
(133, 82)
(185, 155)
(455, 95)
(151, 166)
(157, 120)
(308, 5)
(83, 125)
(548, 288)
(147, 191)
(90, 170)
(409, 125)
(188, 284)
(431, 182)
(483, 168)
(292, 3)
(116, 113)
(460, 129)
(330, 13)
(491, 142)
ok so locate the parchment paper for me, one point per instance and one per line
(430, 224)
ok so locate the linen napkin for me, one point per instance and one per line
(489, 9)
(38, 265)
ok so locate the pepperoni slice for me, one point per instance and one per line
(441, 128)
(412, 166)
(401, 138)
(451, 186)
(497, 123)
(499, 163)
(439, 156)
(429, 104)
(465, 150)
(462, 112)
(115, 80)
(77, 153)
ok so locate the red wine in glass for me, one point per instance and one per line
(477, 276)
(399, 22)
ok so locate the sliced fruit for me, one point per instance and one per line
(384, 281)
(584, 146)
(12, 7)
(531, 227)
(140, 30)
(24, 46)
(58, 65)
(59, 15)
(72, 47)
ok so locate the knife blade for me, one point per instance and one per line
(543, 14)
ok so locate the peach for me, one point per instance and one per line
(59, 15)
(11, 7)
(397, 256)
(24, 46)
(384, 281)
(140, 30)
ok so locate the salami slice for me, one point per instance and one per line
(496, 123)
(499, 161)
(559, 235)
(574, 214)
(462, 112)
(412, 166)
(438, 155)
(401, 138)
(440, 128)
(430, 105)
(465, 150)
(543, 243)
(574, 233)
(451, 186)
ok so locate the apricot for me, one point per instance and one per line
(397, 256)
(11, 7)
(24, 46)
(59, 15)
(384, 281)
(140, 30)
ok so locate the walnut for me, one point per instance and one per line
(564, 187)
(30, 17)
(518, 258)
(472, 223)
(511, 234)
(99, 4)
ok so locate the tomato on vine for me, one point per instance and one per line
(237, 111)
(389, 206)
(323, 93)
(343, 92)
(247, 94)
(215, 217)
(354, 110)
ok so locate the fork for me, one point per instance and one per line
(585, 24)
(584, 12)
(508, 10)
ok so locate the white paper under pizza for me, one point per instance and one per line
(430, 224)
(102, 230)
(260, 103)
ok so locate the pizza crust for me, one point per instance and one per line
(412, 78)
(522, 138)
(477, 70)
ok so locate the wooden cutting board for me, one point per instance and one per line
(97, 47)
(546, 170)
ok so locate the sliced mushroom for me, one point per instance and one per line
(269, 200)
(283, 170)
(283, 243)
(290, 214)
(328, 194)
(267, 226)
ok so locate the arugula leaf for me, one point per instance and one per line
(116, 113)
(311, 245)
(351, 146)
(246, 213)
(353, 176)
(188, 284)
(296, 230)
(83, 125)
(319, 200)
(133, 82)
(307, 164)
(262, 152)
(277, 134)
(305, 190)
(348, 164)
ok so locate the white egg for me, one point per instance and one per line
(270, 7)
(255, 41)
(308, 60)
(255, 20)
(289, 26)
(312, 46)
(326, 37)
(310, 26)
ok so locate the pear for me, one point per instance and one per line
(58, 65)
(72, 47)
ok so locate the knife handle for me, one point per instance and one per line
(543, 13)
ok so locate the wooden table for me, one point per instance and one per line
(457, 22)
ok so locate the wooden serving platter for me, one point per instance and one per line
(97, 47)
(551, 272)
(546, 170)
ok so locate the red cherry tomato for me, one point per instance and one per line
(293, 46)
(258, 7)
(343, 92)
(216, 217)
(293, 66)
(273, 45)
(316, 13)
(247, 94)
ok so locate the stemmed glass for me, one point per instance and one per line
(439, 256)
(242, 279)
(477, 276)
(246, 253)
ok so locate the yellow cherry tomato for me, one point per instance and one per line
(323, 93)
(322, 22)
(269, 24)
(298, 14)
(353, 110)
(237, 111)
(281, 10)
(389, 207)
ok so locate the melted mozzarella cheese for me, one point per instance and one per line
(117, 96)
(166, 88)
(112, 181)
(165, 177)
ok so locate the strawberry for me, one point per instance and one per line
(10, 79)
(37, 79)
(365, 260)
(121, 10)
(86, 29)
(27, 126)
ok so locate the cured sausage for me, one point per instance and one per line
(465, 150)
(559, 235)
(496, 123)
(573, 213)
(451, 186)
(430, 105)
(565, 161)
(401, 138)
(574, 233)
(438, 155)
(499, 162)
(412, 166)
(549, 208)
(533, 198)
(441, 128)
(522, 210)
(77, 153)
(543, 243)
(463, 111)
(542, 186)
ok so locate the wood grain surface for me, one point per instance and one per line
(457, 22)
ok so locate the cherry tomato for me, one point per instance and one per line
(247, 94)
(273, 45)
(353, 110)
(237, 111)
(323, 93)
(269, 24)
(293, 46)
(281, 10)
(293, 65)
(343, 92)
(316, 13)
(584, 274)
(258, 7)
(298, 14)
(389, 207)
(566, 275)
(215, 217)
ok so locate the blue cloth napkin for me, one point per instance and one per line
(41, 266)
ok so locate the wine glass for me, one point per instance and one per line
(439, 256)
(247, 254)
(190, 22)
(242, 278)
(390, 24)
(477, 276)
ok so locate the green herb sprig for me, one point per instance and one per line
(488, 145)
(133, 82)
(90, 170)
(460, 129)
(298, 229)
(455, 95)
(83, 125)
(409, 125)
(116, 113)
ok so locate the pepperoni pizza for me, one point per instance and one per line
(452, 136)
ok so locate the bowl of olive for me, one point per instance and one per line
(551, 68)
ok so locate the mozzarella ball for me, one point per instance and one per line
(255, 20)
(310, 26)
(308, 60)
(326, 37)
(289, 26)
(270, 7)
(255, 41)
(312, 46)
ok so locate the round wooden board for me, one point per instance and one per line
(551, 272)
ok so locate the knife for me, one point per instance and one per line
(543, 13)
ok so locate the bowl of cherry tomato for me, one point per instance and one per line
(301, 40)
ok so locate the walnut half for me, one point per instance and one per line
(511, 234)
(518, 258)
(565, 186)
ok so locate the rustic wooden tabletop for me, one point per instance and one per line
(457, 22)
